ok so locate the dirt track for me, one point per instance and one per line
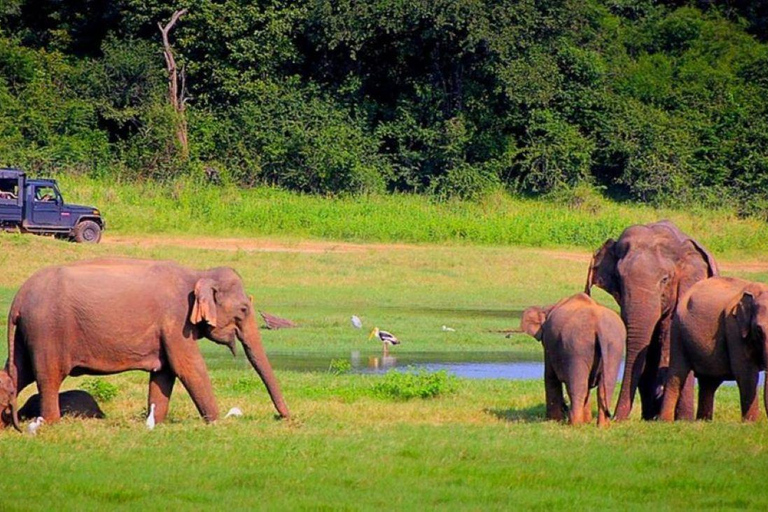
(248, 244)
(268, 245)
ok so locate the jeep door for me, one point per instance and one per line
(46, 206)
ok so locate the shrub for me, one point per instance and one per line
(405, 385)
(100, 389)
(339, 366)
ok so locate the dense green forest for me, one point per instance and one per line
(665, 102)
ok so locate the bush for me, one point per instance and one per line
(339, 366)
(100, 389)
(405, 385)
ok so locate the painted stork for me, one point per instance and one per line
(386, 338)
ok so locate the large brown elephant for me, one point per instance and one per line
(583, 343)
(109, 316)
(719, 332)
(646, 270)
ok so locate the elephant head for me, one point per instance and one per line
(646, 270)
(750, 315)
(532, 320)
(224, 313)
(7, 400)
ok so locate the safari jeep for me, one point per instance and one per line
(36, 206)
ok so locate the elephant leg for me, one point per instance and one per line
(160, 389)
(553, 391)
(684, 409)
(707, 388)
(748, 394)
(189, 366)
(578, 392)
(587, 414)
(679, 373)
(49, 397)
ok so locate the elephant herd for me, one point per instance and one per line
(679, 319)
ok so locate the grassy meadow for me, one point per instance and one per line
(483, 446)
(583, 219)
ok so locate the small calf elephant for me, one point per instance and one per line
(719, 332)
(77, 403)
(583, 346)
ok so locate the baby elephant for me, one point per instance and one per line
(583, 346)
(76, 403)
(719, 331)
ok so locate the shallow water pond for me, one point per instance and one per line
(472, 365)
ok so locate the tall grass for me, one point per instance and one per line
(188, 207)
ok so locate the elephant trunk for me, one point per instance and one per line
(254, 350)
(639, 333)
(15, 414)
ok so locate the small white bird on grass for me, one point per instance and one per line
(235, 411)
(386, 338)
(34, 425)
(356, 322)
(151, 417)
(448, 329)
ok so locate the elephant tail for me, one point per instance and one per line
(609, 351)
(602, 395)
(11, 368)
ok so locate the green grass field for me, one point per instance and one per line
(584, 220)
(485, 446)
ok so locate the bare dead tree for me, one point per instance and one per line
(176, 94)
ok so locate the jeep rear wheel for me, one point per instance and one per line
(87, 232)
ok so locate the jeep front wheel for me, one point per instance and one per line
(87, 232)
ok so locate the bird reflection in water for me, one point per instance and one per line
(382, 363)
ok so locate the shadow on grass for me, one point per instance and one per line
(534, 414)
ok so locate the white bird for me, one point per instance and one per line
(235, 411)
(387, 338)
(448, 329)
(34, 425)
(356, 322)
(151, 417)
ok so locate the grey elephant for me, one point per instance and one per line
(719, 332)
(646, 270)
(113, 315)
(583, 345)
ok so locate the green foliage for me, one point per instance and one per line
(654, 101)
(406, 385)
(102, 390)
(339, 366)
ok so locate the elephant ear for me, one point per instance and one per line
(743, 311)
(712, 268)
(602, 270)
(204, 307)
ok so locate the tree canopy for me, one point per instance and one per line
(657, 101)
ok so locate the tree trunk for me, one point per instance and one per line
(176, 94)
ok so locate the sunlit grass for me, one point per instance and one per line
(187, 207)
(483, 446)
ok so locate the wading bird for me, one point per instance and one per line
(151, 417)
(235, 411)
(34, 425)
(387, 338)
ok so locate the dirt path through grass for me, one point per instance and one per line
(320, 246)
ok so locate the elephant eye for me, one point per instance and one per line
(665, 280)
